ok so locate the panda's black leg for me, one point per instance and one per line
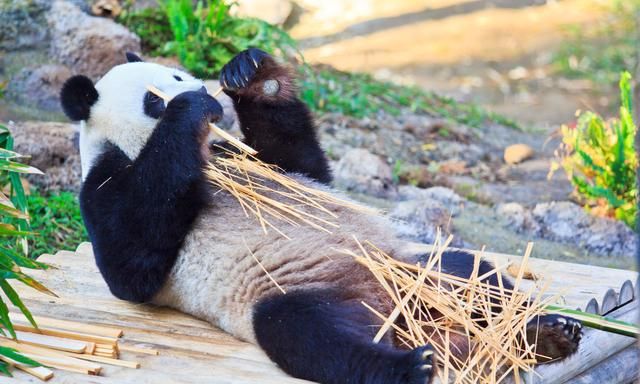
(555, 336)
(273, 120)
(323, 337)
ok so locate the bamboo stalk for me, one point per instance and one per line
(65, 334)
(105, 360)
(42, 373)
(69, 325)
(598, 322)
(214, 128)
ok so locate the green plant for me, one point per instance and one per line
(203, 34)
(601, 50)
(56, 217)
(14, 227)
(599, 158)
(325, 89)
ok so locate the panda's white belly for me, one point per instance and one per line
(217, 278)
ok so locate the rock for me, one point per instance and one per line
(272, 11)
(517, 218)
(53, 150)
(23, 24)
(452, 202)
(39, 87)
(517, 153)
(362, 172)
(88, 45)
(106, 8)
(568, 222)
(419, 220)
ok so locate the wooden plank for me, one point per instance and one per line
(620, 368)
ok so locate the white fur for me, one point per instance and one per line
(118, 115)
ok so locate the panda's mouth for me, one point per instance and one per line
(154, 106)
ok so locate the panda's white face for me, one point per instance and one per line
(119, 115)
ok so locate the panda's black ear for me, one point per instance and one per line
(132, 57)
(77, 96)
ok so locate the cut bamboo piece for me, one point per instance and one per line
(52, 342)
(66, 363)
(42, 373)
(105, 360)
(69, 325)
(133, 349)
(214, 128)
(66, 334)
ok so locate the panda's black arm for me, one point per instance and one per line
(273, 120)
(138, 212)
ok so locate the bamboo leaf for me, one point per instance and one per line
(17, 356)
(15, 300)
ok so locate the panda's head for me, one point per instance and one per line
(118, 108)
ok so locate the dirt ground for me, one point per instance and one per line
(494, 52)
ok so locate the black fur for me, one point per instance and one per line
(153, 105)
(281, 129)
(326, 336)
(138, 212)
(77, 96)
(132, 57)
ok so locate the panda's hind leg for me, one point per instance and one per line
(326, 337)
(556, 337)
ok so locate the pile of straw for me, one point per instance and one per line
(478, 330)
(266, 192)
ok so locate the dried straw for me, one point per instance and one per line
(264, 191)
(442, 310)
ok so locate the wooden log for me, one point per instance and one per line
(619, 368)
(595, 347)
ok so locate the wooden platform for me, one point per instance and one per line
(192, 351)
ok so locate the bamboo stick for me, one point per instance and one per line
(105, 360)
(69, 325)
(66, 334)
(214, 128)
(51, 342)
(42, 373)
(133, 349)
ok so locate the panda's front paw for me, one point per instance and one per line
(555, 336)
(240, 71)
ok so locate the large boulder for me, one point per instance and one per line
(39, 87)
(52, 149)
(568, 222)
(23, 24)
(361, 171)
(87, 44)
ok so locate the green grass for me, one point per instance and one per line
(56, 218)
(358, 94)
(205, 38)
(601, 51)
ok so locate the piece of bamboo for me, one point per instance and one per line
(69, 325)
(42, 373)
(66, 334)
(52, 342)
(105, 360)
(134, 349)
(214, 128)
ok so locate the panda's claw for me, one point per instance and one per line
(239, 72)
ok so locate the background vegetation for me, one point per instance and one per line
(600, 160)
(205, 37)
(601, 52)
(14, 227)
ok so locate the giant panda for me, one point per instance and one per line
(162, 234)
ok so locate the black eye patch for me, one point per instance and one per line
(153, 105)
(177, 77)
